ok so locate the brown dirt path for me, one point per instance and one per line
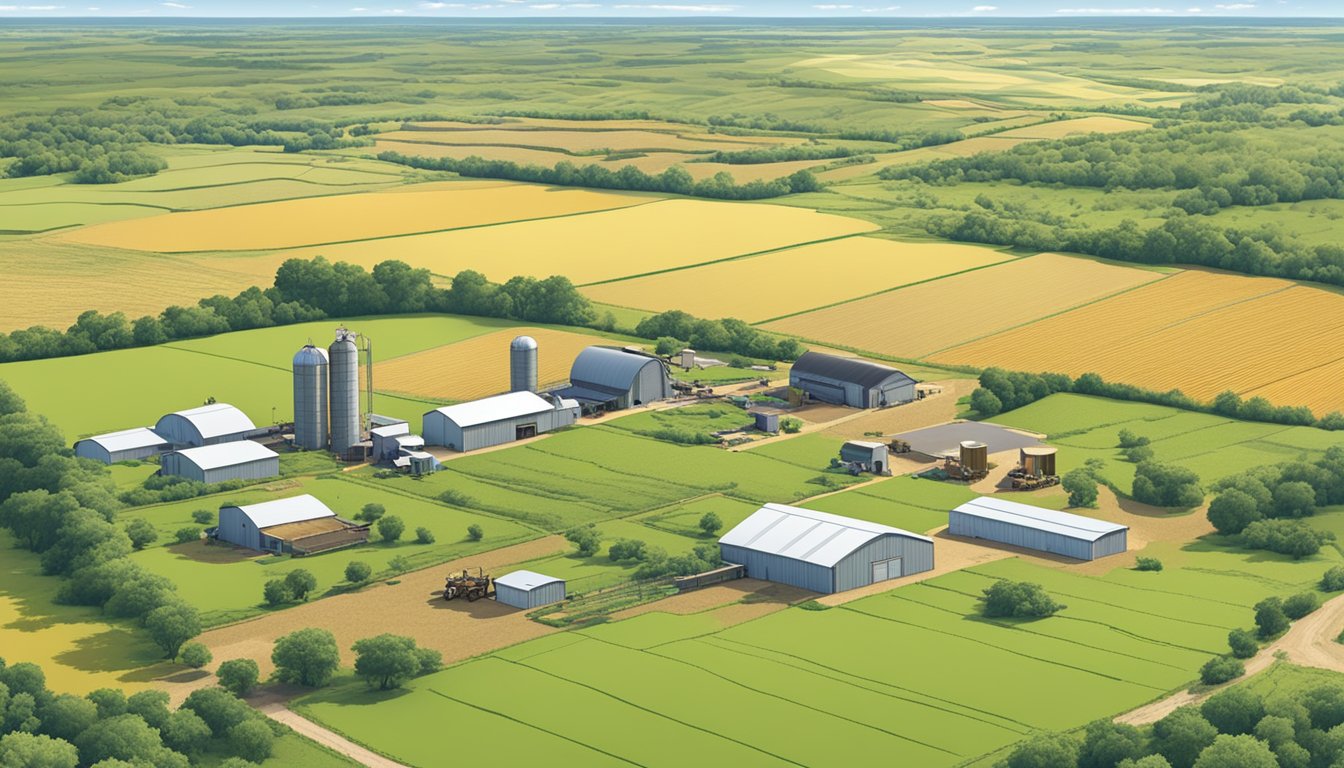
(272, 704)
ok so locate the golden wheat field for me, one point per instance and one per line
(922, 319)
(1198, 331)
(343, 218)
(796, 279)
(605, 245)
(1061, 128)
(479, 367)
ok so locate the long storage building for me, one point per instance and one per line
(850, 381)
(823, 552)
(244, 460)
(301, 525)
(1044, 530)
(497, 420)
(207, 425)
(613, 378)
(126, 445)
(528, 589)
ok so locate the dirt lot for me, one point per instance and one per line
(936, 409)
(413, 607)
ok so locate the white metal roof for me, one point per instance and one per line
(1052, 521)
(814, 537)
(295, 509)
(217, 419)
(510, 405)
(526, 580)
(127, 439)
(227, 454)
(865, 444)
(391, 430)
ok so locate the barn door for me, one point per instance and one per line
(886, 569)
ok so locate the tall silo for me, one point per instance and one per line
(344, 355)
(310, 398)
(523, 365)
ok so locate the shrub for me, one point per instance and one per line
(1232, 510)
(252, 740)
(790, 425)
(357, 572)
(424, 536)
(1130, 440)
(710, 523)
(1270, 620)
(371, 512)
(1148, 564)
(238, 676)
(196, 655)
(390, 528)
(475, 532)
(276, 592)
(1242, 643)
(1081, 486)
(1019, 599)
(301, 582)
(1333, 580)
(586, 538)
(456, 498)
(1286, 537)
(141, 533)
(1221, 669)
(1139, 453)
(626, 549)
(203, 517)
(1300, 605)
(1162, 485)
(399, 564)
(187, 535)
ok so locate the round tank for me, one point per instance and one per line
(523, 364)
(344, 357)
(974, 455)
(310, 398)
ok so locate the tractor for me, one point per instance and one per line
(471, 587)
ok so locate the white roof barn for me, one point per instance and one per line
(1045, 530)
(137, 443)
(281, 511)
(498, 408)
(214, 423)
(241, 460)
(814, 537)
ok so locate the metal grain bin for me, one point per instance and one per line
(344, 370)
(310, 398)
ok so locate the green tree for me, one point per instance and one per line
(187, 535)
(276, 592)
(586, 538)
(1294, 499)
(219, 709)
(1018, 599)
(1237, 752)
(1049, 750)
(185, 732)
(1243, 643)
(1232, 510)
(203, 517)
(124, 737)
(386, 661)
(301, 582)
(66, 717)
(357, 572)
(390, 528)
(196, 655)
(26, 750)
(424, 535)
(710, 523)
(238, 676)
(1148, 761)
(1221, 669)
(1234, 710)
(1081, 486)
(172, 625)
(252, 740)
(151, 706)
(1163, 485)
(430, 660)
(985, 403)
(110, 702)
(141, 533)
(475, 532)
(1106, 743)
(1270, 620)
(1333, 579)
(1181, 736)
(1301, 604)
(307, 657)
(139, 595)
(372, 511)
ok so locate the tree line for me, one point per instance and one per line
(675, 180)
(675, 329)
(1265, 507)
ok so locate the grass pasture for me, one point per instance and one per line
(922, 319)
(769, 285)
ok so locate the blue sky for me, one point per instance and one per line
(675, 8)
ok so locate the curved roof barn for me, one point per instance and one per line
(850, 381)
(617, 377)
(206, 425)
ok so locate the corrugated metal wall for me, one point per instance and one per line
(785, 570)
(856, 569)
(651, 385)
(257, 469)
(894, 393)
(87, 449)
(973, 526)
(440, 430)
(528, 599)
(236, 528)
(1111, 544)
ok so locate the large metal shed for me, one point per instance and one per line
(1044, 530)
(850, 381)
(207, 425)
(615, 378)
(497, 420)
(299, 524)
(126, 445)
(393, 440)
(528, 589)
(243, 460)
(823, 552)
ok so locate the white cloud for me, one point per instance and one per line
(984, 8)
(8, 8)
(359, 10)
(1194, 10)
(1235, 6)
(433, 6)
(1120, 11)
(174, 5)
(545, 6)
(684, 8)
(832, 7)
(881, 10)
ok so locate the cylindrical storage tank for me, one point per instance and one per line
(344, 357)
(975, 456)
(688, 358)
(523, 365)
(310, 398)
(1038, 461)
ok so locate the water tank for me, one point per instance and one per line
(310, 398)
(975, 456)
(344, 356)
(523, 365)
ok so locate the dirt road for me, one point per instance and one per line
(1310, 642)
(272, 704)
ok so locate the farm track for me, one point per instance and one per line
(276, 710)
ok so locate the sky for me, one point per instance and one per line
(912, 9)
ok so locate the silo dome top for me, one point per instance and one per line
(310, 356)
(523, 342)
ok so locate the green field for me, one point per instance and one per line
(669, 690)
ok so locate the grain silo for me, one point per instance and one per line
(310, 398)
(523, 365)
(975, 456)
(344, 371)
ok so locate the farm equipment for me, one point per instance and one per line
(471, 587)
(692, 389)
(898, 446)
(968, 464)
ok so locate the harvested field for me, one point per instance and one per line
(608, 244)
(963, 148)
(579, 141)
(341, 218)
(738, 288)
(1201, 332)
(920, 320)
(1061, 128)
(479, 367)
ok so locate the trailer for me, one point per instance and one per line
(472, 587)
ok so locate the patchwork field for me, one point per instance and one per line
(922, 319)
(479, 366)
(595, 138)
(1200, 332)
(681, 683)
(795, 279)
(1062, 128)
(344, 218)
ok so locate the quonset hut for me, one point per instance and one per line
(206, 425)
(612, 378)
(242, 460)
(1045, 530)
(850, 381)
(497, 420)
(126, 445)
(823, 552)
